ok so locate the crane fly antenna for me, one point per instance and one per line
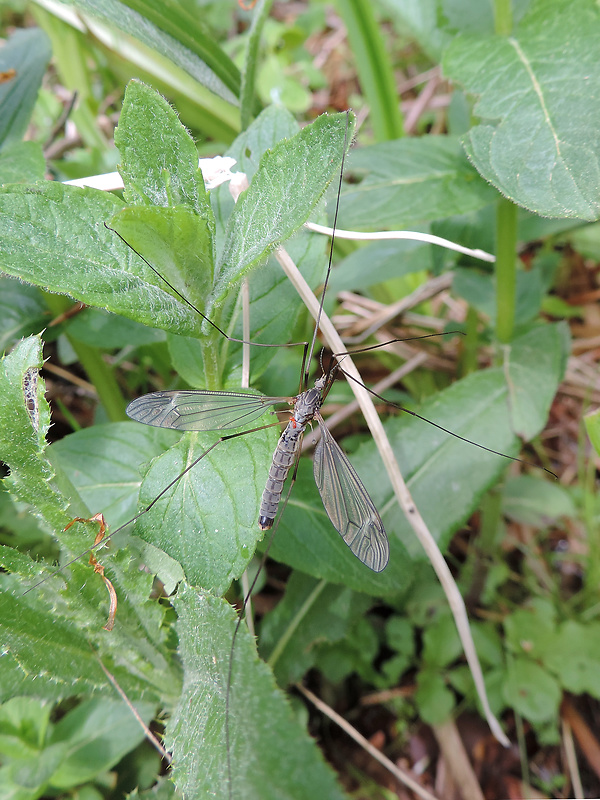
(326, 282)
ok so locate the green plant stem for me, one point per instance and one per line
(468, 361)
(506, 269)
(503, 19)
(490, 518)
(374, 68)
(295, 621)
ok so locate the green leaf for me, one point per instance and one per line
(379, 262)
(434, 700)
(213, 542)
(409, 181)
(578, 673)
(169, 30)
(534, 365)
(104, 463)
(289, 182)
(374, 67)
(96, 327)
(420, 19)
(310, 613)
(531, 691)
(248, 91)
(536, 142)
(22, 311)
(28, 53)
(159, 160)
(479, 290)
(22, 162)
(177, 243)
(24, 421)
(54, 236)
(531, 630)
(270, 756)
(442, 645)
(533, 501)
(98, 734)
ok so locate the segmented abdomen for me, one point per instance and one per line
(283, 458)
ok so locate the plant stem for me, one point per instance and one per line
(503, 19)
(468, 359)
(506, 274)
(374, 68)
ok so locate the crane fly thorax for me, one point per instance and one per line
(306, 405)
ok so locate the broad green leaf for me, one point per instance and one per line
(534, 365)
(105, 462)
(54, 236)
(41, 644)
(378, 262)
(531, 630)
(578, 673)
(289, 182)
(274, 305)
(97, 327)
(24, 422)
(270, 756)
(98, 734)
(536, 141)
(162, 790)
(537, 502)
(441, 643)
(531, 691)
(409, 181)
(27, 52)
(27, 779)
(171, 31)
(310, 613)
(208, 521)
(434, 699)
(55, 633)
(479, 290)
(177, 243)
(22, 162)
(24, 723)
(22, 311)
(159, 160)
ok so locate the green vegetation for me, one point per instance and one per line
(501, 158)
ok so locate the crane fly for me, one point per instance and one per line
(346, 501)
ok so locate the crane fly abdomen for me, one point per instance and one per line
(306, 405)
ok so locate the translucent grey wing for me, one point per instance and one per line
(347, 503)
(199, 410)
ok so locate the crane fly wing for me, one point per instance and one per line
(347, 503)
(199, 410)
